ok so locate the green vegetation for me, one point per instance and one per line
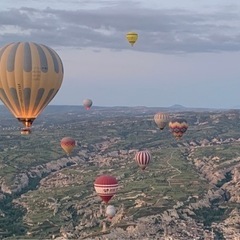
(209, 215)
(169, 178)
(228, 177)
(11, 218)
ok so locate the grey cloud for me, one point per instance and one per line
(13, 17)
(165, 31)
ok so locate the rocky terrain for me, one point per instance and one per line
(191, 193)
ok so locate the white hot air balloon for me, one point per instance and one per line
(110, 211)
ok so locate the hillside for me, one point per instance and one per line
(189, 189)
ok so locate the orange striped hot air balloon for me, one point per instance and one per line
(106, 186)
(178, 127)
(30, 76)
(161, 119)
(143, 158)
(68, 144)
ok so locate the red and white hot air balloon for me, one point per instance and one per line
(143, 158)
(110, 211)
(106, 186)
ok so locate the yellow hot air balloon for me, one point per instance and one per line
(132, 37)
(30, 76)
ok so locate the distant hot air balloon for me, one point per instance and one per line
(30, 76)
(143, 158)
(161, 119)
(68, 144)
(87, 103)
(132, 37)
(110, 211)
(106, 186)
(178, 127)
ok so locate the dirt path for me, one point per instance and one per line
(171, 166)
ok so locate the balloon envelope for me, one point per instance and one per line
(110, 211)
(87, 103)
(30, 76)
(143, 158)
(132, 37)
(68, 144)
(161, 119)
(106, 186)
(178, 127)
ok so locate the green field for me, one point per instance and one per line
(53, 204)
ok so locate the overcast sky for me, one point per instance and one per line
(188, 51)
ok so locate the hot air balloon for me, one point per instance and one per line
(143, 158)
(87, 103)
(106, 186)
(161, 119)
(68, 144)
(110, 211)
(178, 127)
(132, 37)
(30, 76)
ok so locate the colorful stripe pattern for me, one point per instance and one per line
(143, 158)
(30, 76)
(178, 127)
(161, 119)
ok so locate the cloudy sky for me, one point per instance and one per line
(188, 51)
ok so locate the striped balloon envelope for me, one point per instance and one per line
(106, 187)
(68, 144)
(161, 119)
(143, 158)
(30, 76)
